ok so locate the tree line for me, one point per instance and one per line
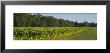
(38, 20)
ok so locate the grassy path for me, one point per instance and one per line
(90, 34)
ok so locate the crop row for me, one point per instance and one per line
(45, 33)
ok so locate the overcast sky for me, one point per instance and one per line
(80, 17)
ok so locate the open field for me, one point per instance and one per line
(55, 33)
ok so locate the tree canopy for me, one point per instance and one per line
(38, 20)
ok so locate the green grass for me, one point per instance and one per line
(90, 34)
(55, 33)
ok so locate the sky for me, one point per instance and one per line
(79, 17)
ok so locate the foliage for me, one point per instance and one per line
(38, 20)
(48, 33)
